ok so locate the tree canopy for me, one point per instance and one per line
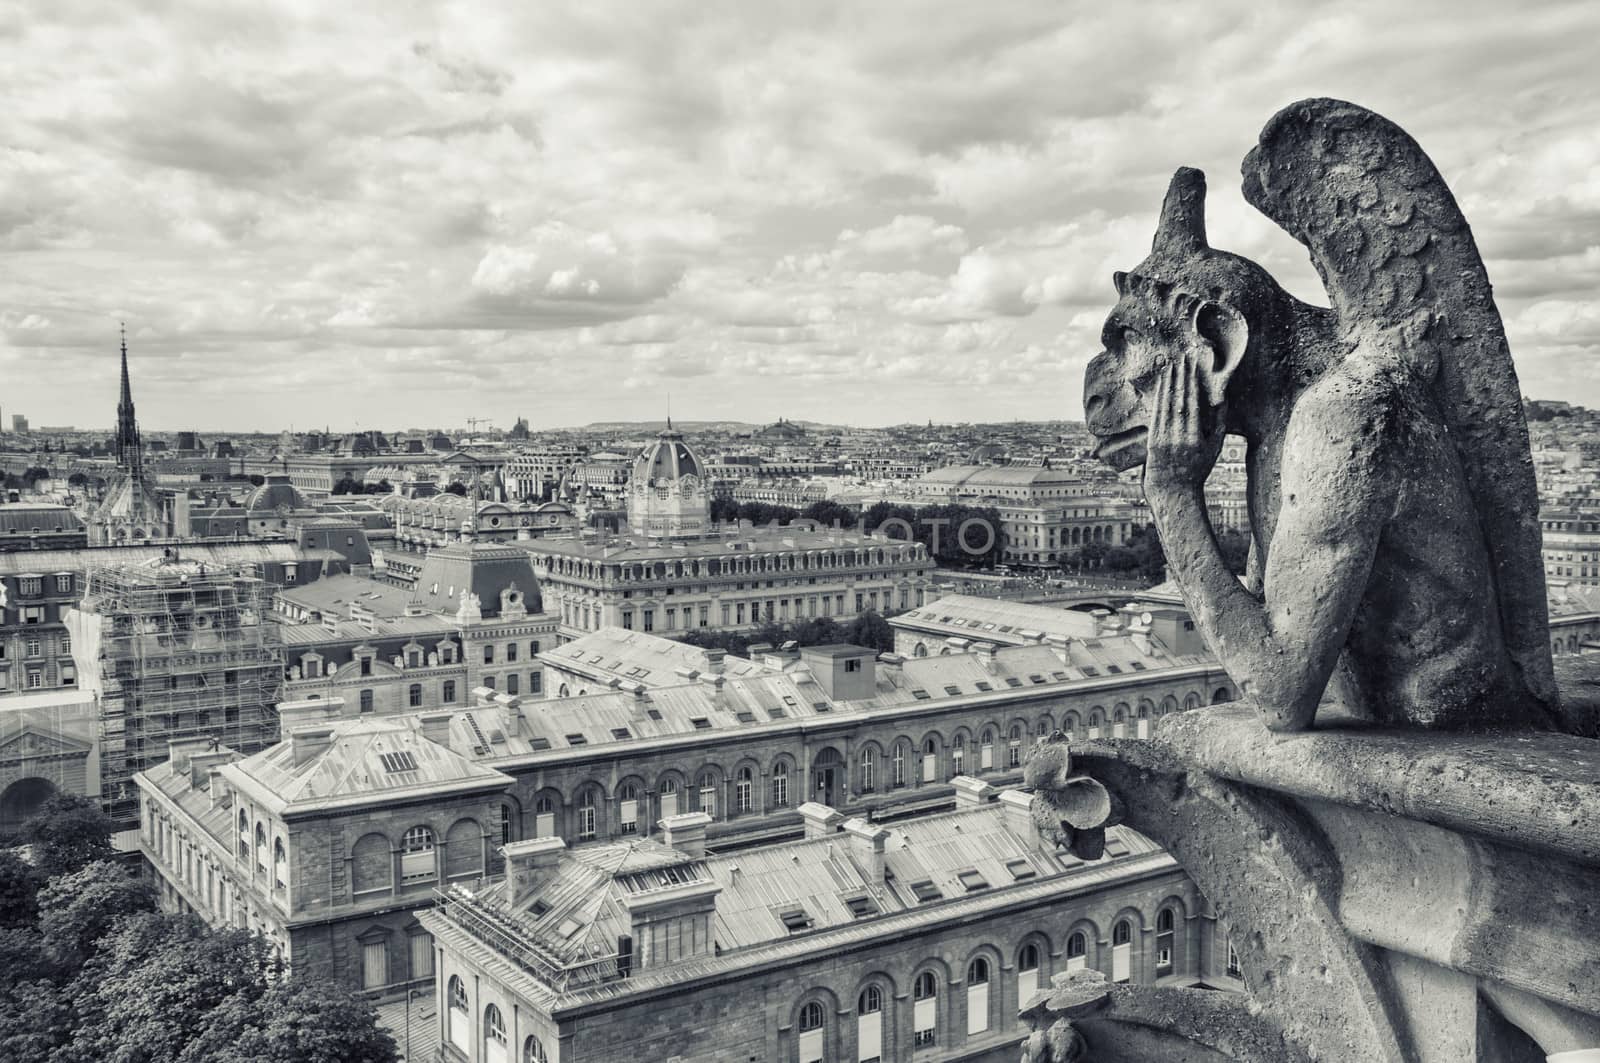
(67, 831)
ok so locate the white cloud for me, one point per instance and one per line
(557, 210)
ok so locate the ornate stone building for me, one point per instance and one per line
(667, 496)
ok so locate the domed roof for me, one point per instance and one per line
(668, 458)
(276, 492)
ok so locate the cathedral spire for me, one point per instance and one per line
(127, 441)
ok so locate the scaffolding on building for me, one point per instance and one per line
(178, 650)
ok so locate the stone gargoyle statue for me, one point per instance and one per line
(1395, 566)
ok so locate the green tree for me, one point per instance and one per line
(36, 1020)
(67, 831)
(34, 474)
(870, 629)
(150, 988)
(724, 510)
(77, 479)
(349, 485)
(1235, 547)
(457, 488)
(19, 890)
(297, 1021)
(80, 907)
(829, 513)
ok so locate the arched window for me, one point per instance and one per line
(1014, 752)
(986, 750)
(416, 855)
(869, 1023)
(898, 777)
(1077, 951)
(261, 847)
(780, 785)
(743, 789)
(977, 996)
(628, 809)
(1166, 940)
(812, 1020)
(1027, 973)
(869, 770)
(544, 816)
(1122, 951)
(533, 1048)
(414, 695)
(494, 1036)
(457, 1024)
(930, 760)
(925, 1009)
(668, 790)
(280, 865)
(1234, 968)
(707, 794)
(958, 754)
(587, 826)
(244, 835)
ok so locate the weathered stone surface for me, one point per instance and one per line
(1393, 505)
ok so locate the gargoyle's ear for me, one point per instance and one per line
(1225, 331)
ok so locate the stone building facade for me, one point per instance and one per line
(859, 941)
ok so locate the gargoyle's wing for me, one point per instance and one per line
(1404, 274)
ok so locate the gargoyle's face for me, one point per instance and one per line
(1120, 384)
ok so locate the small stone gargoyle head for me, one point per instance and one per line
(1072, 811)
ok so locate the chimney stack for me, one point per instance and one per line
(970, 792)
(180, 750)
(292, 714)
(685, 832)
(307, 742)
(986, 652)
(867, 843)
(529, 863)
(820, 819)
(714, 658)
(1017, 810)
(201, 764)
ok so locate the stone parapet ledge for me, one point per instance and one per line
(1530, 790)
(1400, 896)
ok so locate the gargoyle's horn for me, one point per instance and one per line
(1183, 215)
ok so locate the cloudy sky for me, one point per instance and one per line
(397, 214)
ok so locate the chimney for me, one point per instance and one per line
(714, 658)
(1061, 644)
(180, 750)
(529, 863)
(892, 665)
(201, 764)
(685, 832)
(986, 653)
(216, 786)
(820, 820)
(292, 714)
(307, 742)
(1016, 810)
(866, 842)
(970, 792)
(436, 727)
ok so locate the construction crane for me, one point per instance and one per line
(474, 422)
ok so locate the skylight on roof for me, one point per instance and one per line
(700, 723)
(1059, 676)
(1089, 669)
(919, 694)
(795, 919)
(926, 891)
(746, 716)
(821, 706)
(1113, 669)
(1137, 666)
(981, 685)
(621, 734)
(861, 907)
(951, 689)
(540, 742)
(654, 714)
(1036, 678)
(972, 879)
(776, 712)
(393, 763)
(1013, 681)
(577, 740)
(1021, 869)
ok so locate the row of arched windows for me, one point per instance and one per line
(708, 567)
(492, 1034)
(376, 861)
(946, 1012)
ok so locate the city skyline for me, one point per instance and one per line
(564, 216)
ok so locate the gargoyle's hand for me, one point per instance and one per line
(1185, 432)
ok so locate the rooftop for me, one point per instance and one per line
(994, 620)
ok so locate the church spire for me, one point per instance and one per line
(127, 441)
